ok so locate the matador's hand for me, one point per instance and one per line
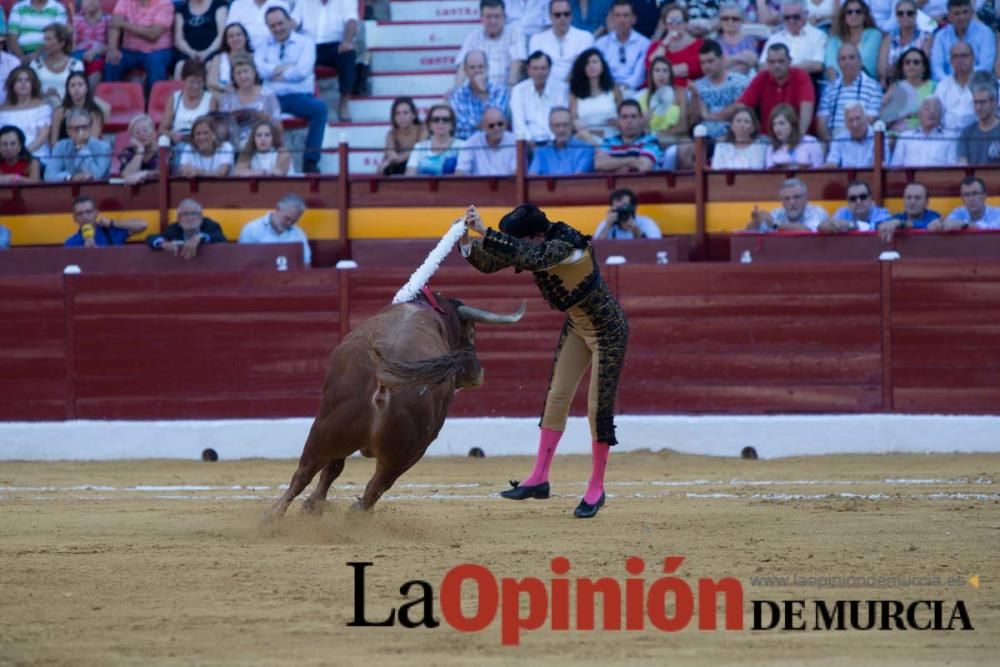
(474, 222)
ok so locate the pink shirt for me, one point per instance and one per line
(153, 13)
(88, 35)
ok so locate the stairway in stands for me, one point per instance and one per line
(412, 54)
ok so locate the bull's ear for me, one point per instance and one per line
(486, 317)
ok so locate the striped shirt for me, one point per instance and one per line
(839, 95)
(152, 13)
(28, 22)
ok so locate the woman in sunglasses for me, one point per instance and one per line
(673, 42)
(438, 155)
(912, 85)
(740, 50)
(855, 25)
(905, 36)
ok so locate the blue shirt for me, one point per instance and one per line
(103, 236)
(990, 219)
(979, 37)
(4, 237)
(261, 231)
(878, 214)
(626, 60)
(576, 157)
(597, 12)
(469, 107)
(927, 218)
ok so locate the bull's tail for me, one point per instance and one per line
(393, 375)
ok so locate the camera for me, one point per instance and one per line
(624, 213)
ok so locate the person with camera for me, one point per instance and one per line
(622, 222)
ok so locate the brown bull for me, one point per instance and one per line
(387, 393)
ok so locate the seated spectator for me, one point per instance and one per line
(806, 45)
(205, 155)
(905, 36)
(962, 28)
(594, 98)
(186, 105)
(53, 63)
(591, 17)
(853, 25)
(198, 27)
(979, 143)
(285, 63)
(781, 84)
(623, 48)
(527, 15)
(915, 213)
(718, 90)
(81, 157)
(437, 155)
(622, 221)
(8, 63)
(955, 90)
(264, 154)
(853, 86)
(27, 22)
(739, 51)
(141, 158)
(975, 213)
(17, 164)
(662, 104)
(4, 238)
(78, 95)
(279, 226)
(476, 94)
(90, 37)
(248, 101)
(912, 85)
(192, 228)
(632, 150)
(741, 147)
(853, 147)
(533, 99)
(235, 42)
(565, 154)
(795, 215)
(562, 43)
(504, 46)
(252, 16)
(332, 25)
(404, 134)
(677, 45)
(789, 149)
(490, 152)
(26, 109)
(98, 231)
(928, 145)
(140, 37)
(860, 215)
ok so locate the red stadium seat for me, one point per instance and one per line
(121, 143)
(158, 96)
(126, 100)
(324, 72)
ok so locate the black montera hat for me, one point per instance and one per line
(525, 220)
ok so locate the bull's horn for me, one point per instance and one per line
(486, 317)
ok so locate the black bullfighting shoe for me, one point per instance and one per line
(585, 510)
(518, 492)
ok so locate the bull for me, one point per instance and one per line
(386, 394)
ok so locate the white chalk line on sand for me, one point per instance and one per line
(170, 488)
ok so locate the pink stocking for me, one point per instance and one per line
(547, 442)
(595, 487)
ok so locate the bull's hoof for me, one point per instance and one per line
(522, 492)
(313, 507)
(359, 508)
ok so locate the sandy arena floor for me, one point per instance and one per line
(163, 562)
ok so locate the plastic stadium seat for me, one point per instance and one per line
(324, 72)
(126, 100)
(158, 96)
(121, 143)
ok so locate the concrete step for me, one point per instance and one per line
(434, 10)
(362, 135)
(377, 109)
(412, 83)
(425, 59)
(417, 33)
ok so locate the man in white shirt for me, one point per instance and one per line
(250, 14)
(624, 49)
(332, 24)
(928, 145)
(955, 92)
(491, 151)
(853, 146)
(562, 42)
(795, 215)
(278, 226)
(285, 64)
(533, 99)
(503, 45)
(806, 44)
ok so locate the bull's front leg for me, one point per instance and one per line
(316, 502)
